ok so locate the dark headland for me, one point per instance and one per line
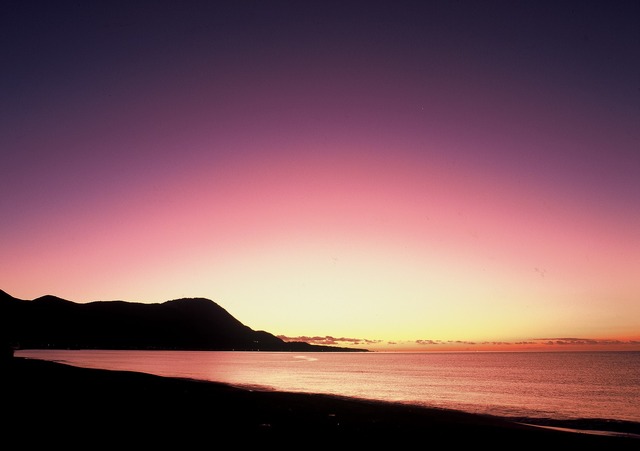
(49, 403)
(50, 322)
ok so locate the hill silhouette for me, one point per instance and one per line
(49, 322)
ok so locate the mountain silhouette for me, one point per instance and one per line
(49, 322)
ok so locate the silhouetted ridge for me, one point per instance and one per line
(49, 299)
(180, 324)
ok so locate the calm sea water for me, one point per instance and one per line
(561, 385)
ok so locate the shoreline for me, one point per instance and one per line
(52, 401)
(588, 431)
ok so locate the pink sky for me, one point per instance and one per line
(413, 181)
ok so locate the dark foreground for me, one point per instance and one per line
(47, 403)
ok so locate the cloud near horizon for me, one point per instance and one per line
(331, 341)
(535, 342)
(584, 341)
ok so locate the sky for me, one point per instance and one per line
(388, 175)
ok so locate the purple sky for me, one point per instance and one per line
(407, 172)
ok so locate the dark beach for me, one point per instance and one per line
(49, 403)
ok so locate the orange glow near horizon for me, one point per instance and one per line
(334, 247)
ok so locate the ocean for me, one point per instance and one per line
(542, 385)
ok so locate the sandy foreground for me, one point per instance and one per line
(48, 403)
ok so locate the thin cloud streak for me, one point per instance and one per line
(533, 344)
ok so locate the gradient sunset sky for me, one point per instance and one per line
(395, 175)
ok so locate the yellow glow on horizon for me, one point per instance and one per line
(380, 293)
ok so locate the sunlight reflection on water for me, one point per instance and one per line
(554, 385)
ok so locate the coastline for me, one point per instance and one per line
(52, 402)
